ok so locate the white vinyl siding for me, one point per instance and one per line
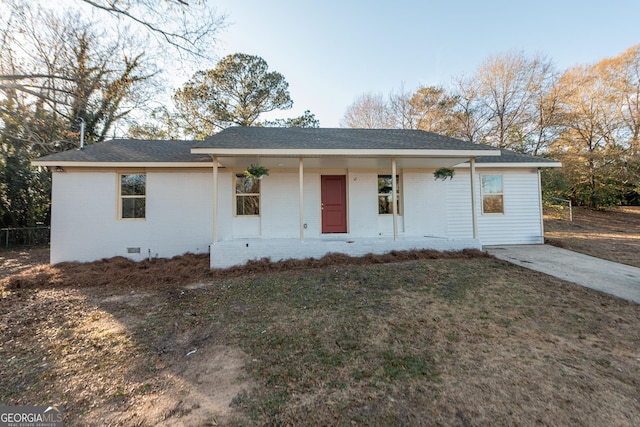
(520, 223)
(424, 204)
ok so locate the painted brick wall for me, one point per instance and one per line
(280, 206)
(457, 195)
(362, 203)
(85, 224)
(425, 204)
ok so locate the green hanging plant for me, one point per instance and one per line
(256, 171)
(444, 173)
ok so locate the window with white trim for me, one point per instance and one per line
(385, 197)
(247, 196)
(492, 194)
(133, 196)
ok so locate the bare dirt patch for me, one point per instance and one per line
(15, 261)
(198, 387)
(612, 234)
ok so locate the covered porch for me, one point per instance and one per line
(226, 253)
(356, 154)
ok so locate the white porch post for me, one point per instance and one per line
(394, 195)
(301, 183)
(215, 199)
(474, 217)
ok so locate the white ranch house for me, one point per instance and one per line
(328, 190)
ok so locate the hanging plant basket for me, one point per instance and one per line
(444, 173)
(256, 171)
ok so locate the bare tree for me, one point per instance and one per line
(509, 85)
(369, 111)
(587, 145)
(400, 108)
(622, 74)
(470, 119)
(510, 102)
(546, 122)
(428, 108)
(190, 26)
(60, 70)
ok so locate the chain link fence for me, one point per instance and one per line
(28, 236)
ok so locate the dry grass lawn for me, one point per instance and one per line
(406, 339)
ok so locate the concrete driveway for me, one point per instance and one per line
(609, 277)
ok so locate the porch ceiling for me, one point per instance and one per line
(339, 162)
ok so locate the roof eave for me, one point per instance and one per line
(512, 165)
(328, 152)
(81, 164)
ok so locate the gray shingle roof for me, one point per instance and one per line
(334, 138)
(162, 151)
(132, 150)
(508, 156)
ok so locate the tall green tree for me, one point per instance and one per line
(24, 191)
(162, 126)
(307, 120)
(236, 92)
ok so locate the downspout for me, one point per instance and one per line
(474, 217)
(215, 199)
(301, 207)
(395, 200)
(540, 206)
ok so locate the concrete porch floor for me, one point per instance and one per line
(229, 253)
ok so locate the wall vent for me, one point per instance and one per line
(133, 250)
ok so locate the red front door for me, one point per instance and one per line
(334, 203)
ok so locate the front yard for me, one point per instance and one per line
(451, 341)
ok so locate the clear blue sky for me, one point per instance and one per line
(332, 51)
